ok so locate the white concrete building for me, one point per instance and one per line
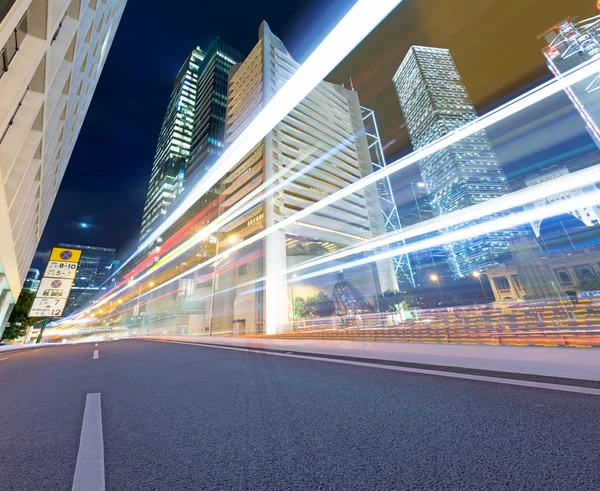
(324, 140)
(51, 56)
(588, 215)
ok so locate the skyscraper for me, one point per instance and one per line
(322, 143)
(95, 267)
(435, 102)
(192, 135)
(571, 43)
(174, 145)
(208, 135)
(51, 57)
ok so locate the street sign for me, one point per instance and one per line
(54, 288)
(61, 269)
(67, 255)
(47, 307)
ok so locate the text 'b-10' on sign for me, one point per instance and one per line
(48, 307)
(54, 288)
(60, 269)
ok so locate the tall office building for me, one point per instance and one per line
(322, 143)
(51, 55)
(192, 135)
(435, 102)
(95, 267)
(208, 135)
(571, 43)
(174, 145)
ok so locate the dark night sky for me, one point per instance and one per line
(495, 49)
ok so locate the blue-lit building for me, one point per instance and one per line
(435, 102)
(96, 266)
(32, 280)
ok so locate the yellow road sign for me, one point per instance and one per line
(67, 255)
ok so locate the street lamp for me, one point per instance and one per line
(477, 275)
(436, 279)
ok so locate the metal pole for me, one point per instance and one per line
(483, 289)
(39, 338)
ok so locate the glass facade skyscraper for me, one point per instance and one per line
(191, 138)
(174, 145)
(435, 102)
(211, 105)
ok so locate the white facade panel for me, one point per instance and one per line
(45, 89)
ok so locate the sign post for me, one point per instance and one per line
(52, 295)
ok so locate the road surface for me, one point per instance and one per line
(186, 417)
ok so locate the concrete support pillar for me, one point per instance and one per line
(514, 288)
(494, 289)
(276, 292)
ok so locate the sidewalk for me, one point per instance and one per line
(570, 363)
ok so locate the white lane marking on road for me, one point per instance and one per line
(439, 373)
(5, 358)
(96, 355)
(89, 470)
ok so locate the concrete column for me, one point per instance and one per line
(514, 289)
(573, 275)
(494, 288)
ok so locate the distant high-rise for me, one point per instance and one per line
(174, 145)
(51, 56)
(32, 281)
(571, 43)
(192, 135)
(95, 267)
(435, 102)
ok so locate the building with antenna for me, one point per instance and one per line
(570, 44)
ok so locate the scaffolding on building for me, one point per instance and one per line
(402, 266)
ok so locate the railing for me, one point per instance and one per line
(528, 324)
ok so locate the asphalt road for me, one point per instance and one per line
(184, 417)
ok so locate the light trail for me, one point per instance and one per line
(511, 108)
(502, 223)
(505, 111)
(527, 100)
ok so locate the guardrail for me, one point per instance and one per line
(526, 324)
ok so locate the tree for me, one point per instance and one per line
(319, 305)
(19, 321)
(589, 284)
(390, 300)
